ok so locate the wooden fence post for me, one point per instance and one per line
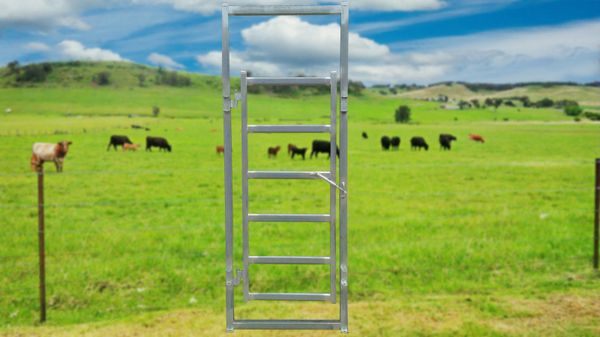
(597, 217)
(42, 244)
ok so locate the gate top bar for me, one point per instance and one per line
(289, 80)
(284, 10)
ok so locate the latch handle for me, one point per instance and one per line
(331, 182)
(238, 277)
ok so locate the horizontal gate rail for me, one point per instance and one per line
(288, 217)
(287, 174)
(289, 260)
(290, 296)
(284, 10)
(289, 128)
(287, 324)
(288, 80)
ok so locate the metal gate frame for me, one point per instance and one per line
(330, 177)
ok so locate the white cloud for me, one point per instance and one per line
(289, 39)
(163, 61)
(77, 51)
(289, 46)
(548, 53)
(397, 5)
(49, 14)
(43, 14)
(37, 46)
(211, 6)
(238, 62)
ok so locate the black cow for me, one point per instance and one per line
(299, 151)
(385, 142)
(116, 140)
(395, 142)
(446, 141)
(322, 146)
(364, 135)
(159, 142)
(416, 143)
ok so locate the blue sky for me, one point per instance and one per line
(392, 41)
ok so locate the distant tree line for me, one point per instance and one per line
(482, 86)
(507, 86)
(355, 88)
(172, 78)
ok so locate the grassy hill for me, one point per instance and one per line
(588, 96)
(80, 74)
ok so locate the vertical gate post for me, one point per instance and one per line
(597, 217)
(41, 244)
(344, 168)
(228, 168)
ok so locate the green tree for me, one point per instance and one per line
(402, 114)
(141, 79)
(102, 78)
(464, 104)
(34, 72)
(496, 102)
(573, 110)
(13, 67)
(545, 103)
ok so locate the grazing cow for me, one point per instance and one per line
(364, 135)
(272, 151)
(159, 142)
(220, 149)
(385, 143)
(395, 142)
(116, 140)
(131, 147)
(477, 138)
(291, 147)
(299, 151)
(446, 141)
(323, 146)
(56, 152)
(416, 143)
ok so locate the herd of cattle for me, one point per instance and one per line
(418, 143)
(318, 146)
(56, 152)
(323, 146)
(127, 144)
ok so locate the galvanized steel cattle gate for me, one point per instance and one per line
(328, 177)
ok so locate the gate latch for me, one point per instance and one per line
(331, 182)
(239, 276)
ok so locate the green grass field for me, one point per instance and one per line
(489, 239)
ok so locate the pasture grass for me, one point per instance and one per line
(488, 239)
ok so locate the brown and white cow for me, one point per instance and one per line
(55, 152)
